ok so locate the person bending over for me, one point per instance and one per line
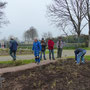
(79, 54)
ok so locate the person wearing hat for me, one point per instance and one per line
(13, 48)
(37, 49)
(79, 53)
(43, 44)
(59, 47)
(51, 48)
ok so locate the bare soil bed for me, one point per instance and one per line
(62, 75)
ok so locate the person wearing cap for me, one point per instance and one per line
(59, 45)
(51, 48)
(79, 53)
(37, 49)
(13, 48)
(43, 44)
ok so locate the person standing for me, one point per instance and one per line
(59, 47)
(43, 44)
(51, 48)
(36, 48)
(79, 53)
(13, 48)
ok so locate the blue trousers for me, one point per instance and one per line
(51, 52)
(37, 58)
(80, 55)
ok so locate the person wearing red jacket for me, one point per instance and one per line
(51, 48)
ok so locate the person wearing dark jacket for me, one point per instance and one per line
(43, 45)
(51, 48)
(79, 53)
(13, 48)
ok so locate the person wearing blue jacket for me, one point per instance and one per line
(13, 48)
(37, 49)
(79, 54)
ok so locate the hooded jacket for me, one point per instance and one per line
(13, 45)
(50, 45)
(79, 50)
(43, 44)
(36, 46)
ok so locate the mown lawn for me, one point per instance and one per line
(4, 64)
(86, 57)
(87, 48)
(72, 48)
(15, 63)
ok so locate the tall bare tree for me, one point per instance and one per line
(30, 34)
(44, 36)
(25, 36)
(47, 35)
(33, 33)
(87, 16)
(2, 17)
(69, 12)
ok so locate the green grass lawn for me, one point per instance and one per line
(74, 48)
(15, 63)
(86, 57)
(87, 48)
(23, 62)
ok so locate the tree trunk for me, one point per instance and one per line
(89, 34)
(89, 42)
(79, 35)
(78, 41)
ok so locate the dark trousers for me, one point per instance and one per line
(42, 52)
(13, 54)
(59, 53)
(51, 52)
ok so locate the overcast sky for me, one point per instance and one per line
(23, 14)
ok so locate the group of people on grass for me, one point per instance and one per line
(39, 49)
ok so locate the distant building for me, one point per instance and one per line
(28, 42)
(2, 44)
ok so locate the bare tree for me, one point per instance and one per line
(87, 16)
(25, 36)
(33, 33)
(44, 36)
(47, 35)
(30, 34)
(69, 12)
(2, 17)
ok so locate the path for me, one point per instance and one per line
(32, 65)
(24, 67)
(27, 57)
